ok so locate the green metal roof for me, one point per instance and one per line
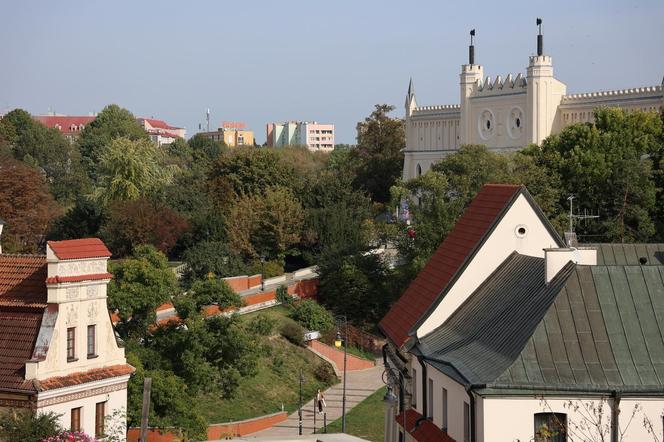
(628, 254)
(599, 329)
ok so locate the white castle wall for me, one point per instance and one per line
(538, 102)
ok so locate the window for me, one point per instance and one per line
(100, 415)
(414, 392)
(466, 422)
(76, 419)
(71, 344)
(419, 170)
(92, 341)
(550, 427)
(445, 409)
(430, 399)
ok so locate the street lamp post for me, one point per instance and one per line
(337, 343)
(392, 376)
(300, 409)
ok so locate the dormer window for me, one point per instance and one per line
(71, 344)
(92, 341)
(72, 128)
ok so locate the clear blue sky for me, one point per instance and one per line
(330, 61)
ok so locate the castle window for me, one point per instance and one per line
(92, 341)
(71, 344)
(518, 122)
(419, 170)
(488, 124)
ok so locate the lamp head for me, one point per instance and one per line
(337, 340)
(389, 395)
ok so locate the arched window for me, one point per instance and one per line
(419, 170)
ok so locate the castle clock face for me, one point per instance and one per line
(515, 122)
(486, 124)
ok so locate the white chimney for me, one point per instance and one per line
(556, 258)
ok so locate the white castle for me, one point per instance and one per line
(506, 114)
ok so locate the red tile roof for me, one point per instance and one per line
(65, 122)
(425, 431)
(22, 281)
(79, 248)
(78, 278)
(157, 124)
(96, 374)
(459, 245)
(18, 334)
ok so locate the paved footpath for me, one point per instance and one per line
(359, 385)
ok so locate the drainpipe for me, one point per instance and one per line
(471, 395)
(424, 386)
(615, 415)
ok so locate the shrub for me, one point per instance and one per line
(312, 316)
(282, 295)
(269, 269)
(325, 373)
(24, 425)
(262, 325)
(293, 332)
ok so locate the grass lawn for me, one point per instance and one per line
(366, 420)
(276, 383)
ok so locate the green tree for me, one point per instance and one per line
(312, 316)
(46, 149)
(82, 220)
(608, 166)
(170, 401)
(111, 123)
(265, 225)
(129, 170)
(206, 292)
(20, 425)
(211, 259)
(377, 158)
(139, 285)
(205, 150)
(359, 286)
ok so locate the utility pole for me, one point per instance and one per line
(145, 412)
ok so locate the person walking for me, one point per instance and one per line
(320, 401)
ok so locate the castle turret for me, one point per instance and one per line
(411, 103)
(544, 94)
(471, 73)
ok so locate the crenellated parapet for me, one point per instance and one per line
(652, 92)
(444, 108)
(510, 84)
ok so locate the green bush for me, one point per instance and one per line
(312, 316)
(262, 325)
(282, 295)
(269, 269)
(18, 425)
(293, 332)
(325, 373)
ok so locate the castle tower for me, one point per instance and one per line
(544, 94)
(471, 74)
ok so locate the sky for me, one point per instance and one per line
(312, 60)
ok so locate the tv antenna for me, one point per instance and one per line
(573, 217)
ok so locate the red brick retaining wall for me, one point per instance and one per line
(216, 431)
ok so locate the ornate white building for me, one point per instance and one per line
(506, 113)
(58, 350)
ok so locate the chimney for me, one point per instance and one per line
(2, 224)
(556, 258)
